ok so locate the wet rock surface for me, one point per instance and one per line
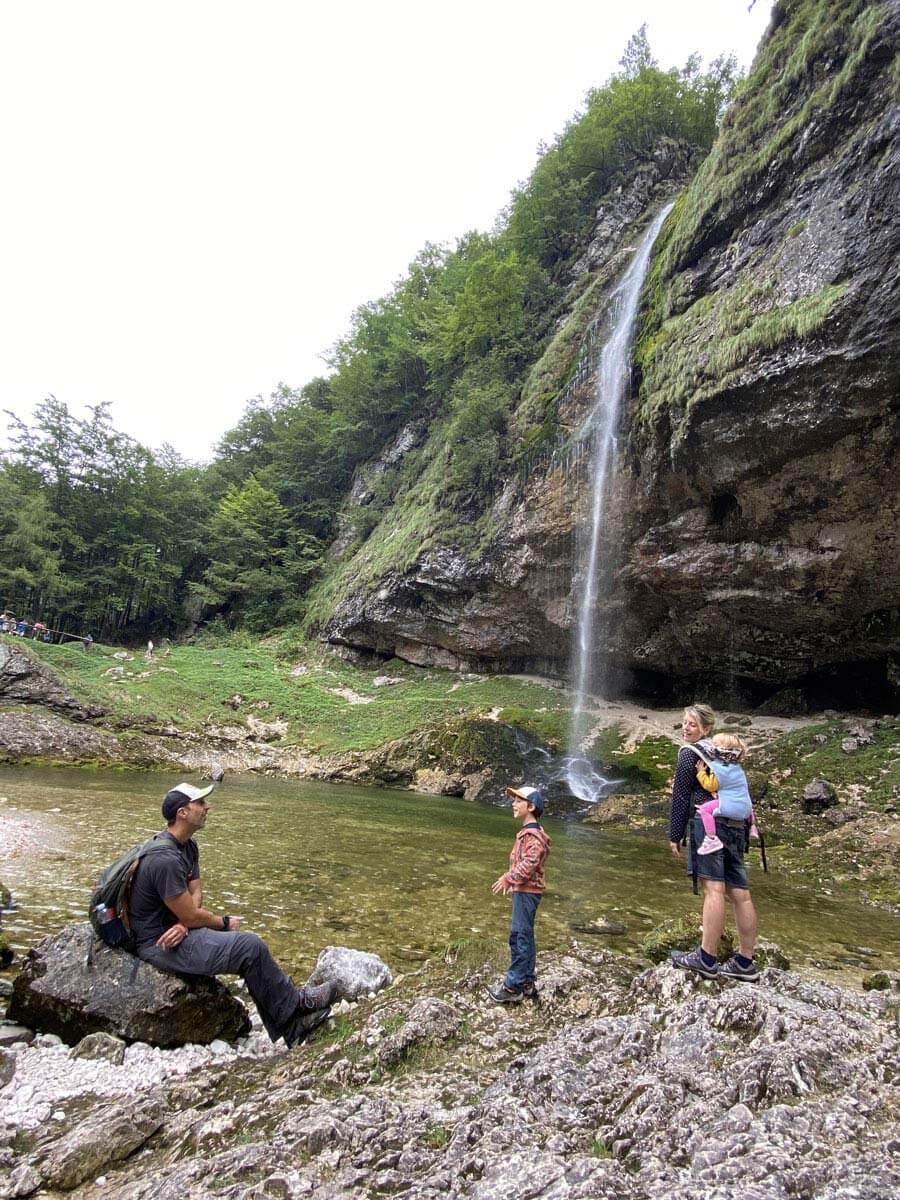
(72, 985)
(621, 1082)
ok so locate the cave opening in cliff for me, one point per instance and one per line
(726, 513)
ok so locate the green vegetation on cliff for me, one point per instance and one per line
(814, 59)
(694, 342)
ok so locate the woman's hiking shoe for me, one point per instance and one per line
(710, 845)
(692, 960)
(504, 995)
(302, 1024)
(309, 999)
(735, 970)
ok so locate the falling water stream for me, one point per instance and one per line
(599, 429)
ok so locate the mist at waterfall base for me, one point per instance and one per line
(594, 571)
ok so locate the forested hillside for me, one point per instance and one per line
(103, 534)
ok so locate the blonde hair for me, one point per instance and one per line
(703, 715)
(731, 741)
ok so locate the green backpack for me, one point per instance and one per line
(108, 911)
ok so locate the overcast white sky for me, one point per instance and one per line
(198, 193)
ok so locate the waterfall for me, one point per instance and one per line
(599, 427)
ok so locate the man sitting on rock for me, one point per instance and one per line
(175, 933)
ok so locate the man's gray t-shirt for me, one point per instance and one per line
(162, 874)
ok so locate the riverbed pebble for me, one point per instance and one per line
(46, 1075)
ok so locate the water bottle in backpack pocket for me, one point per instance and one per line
(110, 926)
(108, 910)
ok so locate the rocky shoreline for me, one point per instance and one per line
(620, 1082)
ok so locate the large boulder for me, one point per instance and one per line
(817, 796)
(25, 680)
(71, 984)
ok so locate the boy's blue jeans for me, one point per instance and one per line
(523, 951)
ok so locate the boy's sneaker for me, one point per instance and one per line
(710, 845)
(504, 995)
(735, 970)
(692, 960)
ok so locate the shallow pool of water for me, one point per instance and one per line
(308, 864)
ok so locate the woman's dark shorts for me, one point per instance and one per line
(725, 865)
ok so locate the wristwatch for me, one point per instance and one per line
(226, 922)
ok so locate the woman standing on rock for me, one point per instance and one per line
(722, 873)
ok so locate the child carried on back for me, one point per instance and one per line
(726, 779)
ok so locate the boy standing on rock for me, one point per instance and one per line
(525, 881)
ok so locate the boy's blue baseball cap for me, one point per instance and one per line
(531, 794)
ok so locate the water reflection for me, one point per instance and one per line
(307, 864)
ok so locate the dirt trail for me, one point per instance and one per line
(639, 721)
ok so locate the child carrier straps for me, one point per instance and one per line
(708, 752)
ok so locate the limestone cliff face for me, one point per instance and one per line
(763, 505)
(755, 525)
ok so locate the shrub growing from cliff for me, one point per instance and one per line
(627, 115)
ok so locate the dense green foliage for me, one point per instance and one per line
(625, 116)
(102, 534)
(99, 532)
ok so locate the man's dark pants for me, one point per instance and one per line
(215, 952)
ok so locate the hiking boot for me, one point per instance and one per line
(710, 845)
(302, 1024)
(692, 960)
(310, 999)
(504, 995)
(529, 990)
(733, 970)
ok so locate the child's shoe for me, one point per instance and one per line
(709, 845)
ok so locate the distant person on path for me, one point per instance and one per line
(724, 777)
(87, 642)
(525, 881)
(723, 873)
(21, 628)
(175, 933)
